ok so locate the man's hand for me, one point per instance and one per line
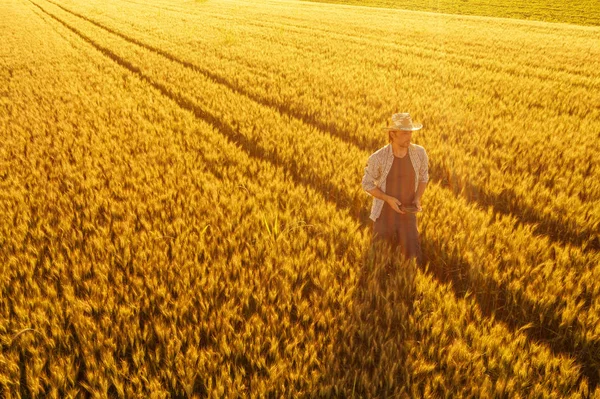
(395, 204)
(417, 203)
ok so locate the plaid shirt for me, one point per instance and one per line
(379, 165)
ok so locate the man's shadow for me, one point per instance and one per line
(372, 348)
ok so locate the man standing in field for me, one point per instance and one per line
(396, 176)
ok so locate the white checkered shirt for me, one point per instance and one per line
(379, 165)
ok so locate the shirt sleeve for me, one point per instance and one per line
(372, 172)
(424, 170)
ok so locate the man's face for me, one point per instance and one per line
(402, 137)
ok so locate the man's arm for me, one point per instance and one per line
(392, 201)
(420, 190)
(372, 174)
(423, 179)
(377, 193)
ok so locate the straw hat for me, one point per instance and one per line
(402, 121)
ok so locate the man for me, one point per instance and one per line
(396, 176)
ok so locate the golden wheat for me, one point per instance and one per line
(470, 80)
(491, 257)
(166, 234)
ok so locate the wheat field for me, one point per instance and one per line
(181, 212)
(580, 12)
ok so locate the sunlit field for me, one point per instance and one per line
(580, 12)
(181, 210)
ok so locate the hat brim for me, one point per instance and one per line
(416, 126)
